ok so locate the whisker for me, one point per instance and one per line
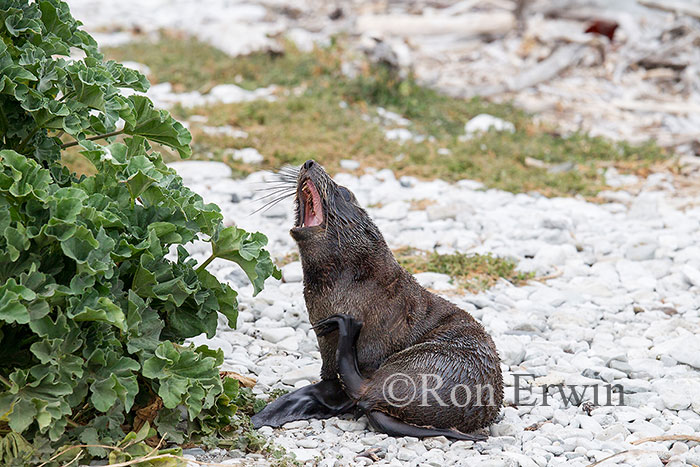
(277, 187)
(274, 193)
(280, 179)
(288, 170)
(271, 203)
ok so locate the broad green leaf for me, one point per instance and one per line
(225, 295)
(12, 294)
(144, 327)
(26, 176)
(245, 249)
(80, 244)
(115, 381)
(181, 372)
(159, 126)
(103, 309)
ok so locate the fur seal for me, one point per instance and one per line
(414, 363)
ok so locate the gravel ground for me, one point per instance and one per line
(620, 306)
(619, 302)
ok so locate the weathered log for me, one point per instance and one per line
(471, 24)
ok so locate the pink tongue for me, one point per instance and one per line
(311, 219)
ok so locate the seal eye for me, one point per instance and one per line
(345, 193)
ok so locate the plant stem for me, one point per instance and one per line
(71, 423)
(3, 123)
(92, 138)
(4, 380)
(66, 96)
(206, 262)
(24, 142)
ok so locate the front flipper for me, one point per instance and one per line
(346, 354)
(321, 400)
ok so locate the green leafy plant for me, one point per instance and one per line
(94, 311)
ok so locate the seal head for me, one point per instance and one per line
(332, 230)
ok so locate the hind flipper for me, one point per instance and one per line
(321, 400)
(395, 427)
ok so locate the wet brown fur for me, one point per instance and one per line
(349, 269)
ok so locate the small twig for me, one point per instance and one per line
(646, 440)
(78, 456)
(72, 423)
(626, 451)
(553, 275)
(668, 438)
(76, 446)
(92, 138)
(166, 456)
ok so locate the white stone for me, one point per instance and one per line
(307, 372)
(485, 122)
(276, 335)
(647, 460)
(248, 156)
(645, 429)
(678, 394)
(225, 130)
(511, 349)
(685, 349)
(439, 212)
(641, 251)
(401, 135)
(349, 164)
(230, 94)
(305, 455)
(292, 272)
(691, 274)
(199, 171)
(290, 343)
(392, 117)
(393, 211)
(352, 425)
(429, 279)
(305, 40)
(589, 424)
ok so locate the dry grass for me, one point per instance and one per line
(322, 114)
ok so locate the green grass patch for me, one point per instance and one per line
(322, 114)
(471, 272)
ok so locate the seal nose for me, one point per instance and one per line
(308, 164)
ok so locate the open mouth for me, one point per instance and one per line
(310, 207)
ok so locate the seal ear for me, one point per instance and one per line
(346, 194)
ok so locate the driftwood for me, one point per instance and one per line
(674, 6)
(472, 24)
(656, 106)
(562, 58)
